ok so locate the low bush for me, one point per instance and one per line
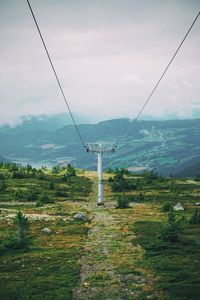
(44, 199)
(140, 197)
(51, 186)
(3, 186)
(21, 238)
(29, 195)
(166, 207)
(172, 230)
(195, 218)
(60, 193)
(2, 176)
(122, 201)
(19, 175)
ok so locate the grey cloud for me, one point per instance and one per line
(103, 52)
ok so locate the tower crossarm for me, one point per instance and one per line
(100, 147)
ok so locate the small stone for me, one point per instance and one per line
(81, 216)
(46, 230)
(178, 206)
(150, 296)
(198, 203)
(86, 284)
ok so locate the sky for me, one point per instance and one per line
(108, 55)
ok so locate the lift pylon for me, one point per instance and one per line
(100, 149)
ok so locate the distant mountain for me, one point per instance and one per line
(49, 122)
(166, 146)
(192, 170)
(3, 159)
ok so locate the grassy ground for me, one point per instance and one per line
(115, 255)
(175, 266)
(50, 268)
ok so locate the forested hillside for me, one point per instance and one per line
(165, 146)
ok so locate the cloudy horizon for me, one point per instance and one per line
(108, 55)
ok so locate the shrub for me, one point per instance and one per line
(150, 176)
(195, 218)
(19, 175)
(19, 195)
(197, 178)
(119, 183)
(2, 176)
(122, 201)
(65, 178)
(51, 186)
(30, 195)
(173, 188)
(140, 197)
(166, 207)
(110, 179)
(41, 176)
(172, 230)
(11, 167)
(71, 171)
(117, 186)
(2, 186)
(56, 170)
(109, 171)
(62, 193)
(21, 238)
(44, 199)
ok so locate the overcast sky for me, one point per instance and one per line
(108, 55)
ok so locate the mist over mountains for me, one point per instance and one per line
(168, 147)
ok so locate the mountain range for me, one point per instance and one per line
(168, 147)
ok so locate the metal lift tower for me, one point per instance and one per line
(100, 149)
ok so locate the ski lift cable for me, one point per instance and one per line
(165, 70)
(55, 73)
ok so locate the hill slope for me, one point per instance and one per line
(3, 159)
(111, 253)
(165, 146)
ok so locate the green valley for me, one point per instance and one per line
(168, 147)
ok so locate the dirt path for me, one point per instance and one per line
(108, 267)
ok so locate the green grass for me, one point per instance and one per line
(50, 268)
(39, 274)
(175, 265)
(78, 188)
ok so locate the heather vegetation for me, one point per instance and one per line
(55, 243)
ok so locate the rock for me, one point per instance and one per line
(46, 230)
(86, 284)
(81, 217)
(198, 203)
(178, 206)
